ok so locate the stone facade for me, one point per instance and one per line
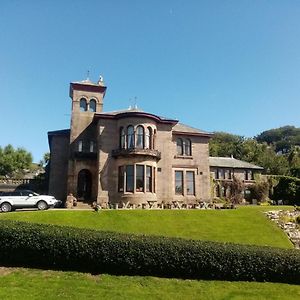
(224, 169)
(127, 157)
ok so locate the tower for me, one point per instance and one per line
(87, 99)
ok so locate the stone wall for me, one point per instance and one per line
(59, 166)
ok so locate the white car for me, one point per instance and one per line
(26, 199)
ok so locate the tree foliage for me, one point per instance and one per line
(263, 150)
(260, 190)
(14, 162)
(282, 138)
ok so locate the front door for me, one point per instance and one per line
(84, 185)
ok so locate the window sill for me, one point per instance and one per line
(183, 156)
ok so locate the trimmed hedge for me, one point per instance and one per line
(67, 248)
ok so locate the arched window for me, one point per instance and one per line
(83, 104)
(187, 147)
(148, 138)
(140, 137)
(92, 106)
(130, 137)
(122, 138)
(179, 146)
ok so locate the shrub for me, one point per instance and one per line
(237, 188)
(260, 191)
(67, 248)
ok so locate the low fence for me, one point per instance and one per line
(11, 184)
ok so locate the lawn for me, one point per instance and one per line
(244, 225)
(17, 283)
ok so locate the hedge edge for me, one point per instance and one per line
(67, 248)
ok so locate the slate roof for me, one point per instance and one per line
(122, 111)
(230, 162)
(185, 128)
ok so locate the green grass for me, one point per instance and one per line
(36, 284)
(244, 225)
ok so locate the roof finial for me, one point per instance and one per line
(88, 75)
(135, 102)
(100, 80)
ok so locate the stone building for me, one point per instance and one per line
(126, 157)
(224, 169)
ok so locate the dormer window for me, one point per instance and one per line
(83, 104)
(92, 105)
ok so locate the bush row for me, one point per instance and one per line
(67, 248)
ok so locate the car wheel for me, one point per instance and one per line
(5, 207)
(42, 205)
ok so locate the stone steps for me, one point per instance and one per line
(82, 205)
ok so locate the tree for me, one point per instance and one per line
(46, 158)
(294, 161)
(260, 190)
(225, 144)
(14, 162)
(282, 138)
(250, 150)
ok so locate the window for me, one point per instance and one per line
(140, 137)
(148, 139)
(179, 146)
(80, 144)
(121, 179)
(187, 147)
(139, 178)
(223, 174)
(130, 137)
(83, 104)
(229, 174)
(249, 175)
(92, 106)
(179, 182)
(122, 138)
(129, 178)
(143, 177)
(184, 147)
(216, 174)
(148, 179)
(190, 183)
(92, 146)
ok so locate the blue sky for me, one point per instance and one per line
(216, 65)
